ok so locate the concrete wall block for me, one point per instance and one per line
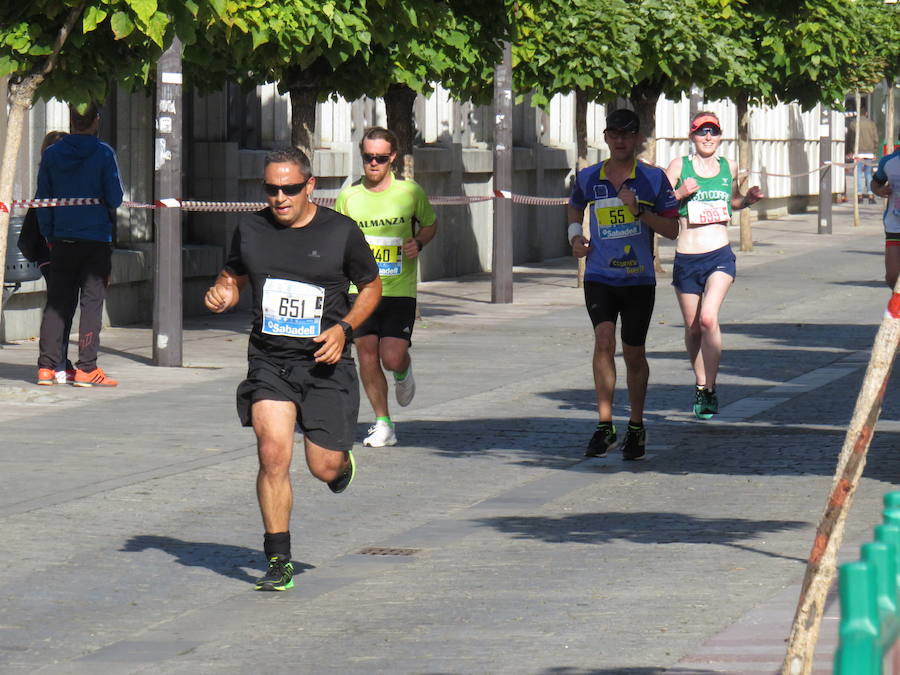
(433, 160)
(217, 157)
(477, 160)
(252, 164)
(201, 261)
(128, 303)
(331, 163)
(231, 169)
(128, 266)
(200, 161)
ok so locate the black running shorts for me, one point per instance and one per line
(394, 317)
(326, 396)
(633, 303)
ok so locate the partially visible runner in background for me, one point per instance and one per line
(398, 222)
(886, 183)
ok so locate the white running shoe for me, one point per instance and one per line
(380, 434)
(405, 389)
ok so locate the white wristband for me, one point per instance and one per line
(574, 228)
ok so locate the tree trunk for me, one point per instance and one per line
(743, 115)
(581, 102)
(304, 86)
(856, 169)
(303, 119)
(581, 144)
(398, 102)
(889, 138)
(21, 98)
(644, 98)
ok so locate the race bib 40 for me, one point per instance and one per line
(388, 252)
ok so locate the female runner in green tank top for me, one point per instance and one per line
(707, 188)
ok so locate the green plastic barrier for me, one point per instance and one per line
(870, 604)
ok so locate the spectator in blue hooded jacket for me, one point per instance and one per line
(80, 239)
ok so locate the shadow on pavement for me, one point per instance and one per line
(870, 284)
(223, 559)
(21, 373)
(643, 527)
(566, 670)
(775, 448)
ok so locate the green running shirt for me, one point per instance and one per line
(712, 190)
(387, 219)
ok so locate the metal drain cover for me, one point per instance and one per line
(381, 550)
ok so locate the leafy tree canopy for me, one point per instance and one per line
(808, 51)
(574, 45)
(115, 41)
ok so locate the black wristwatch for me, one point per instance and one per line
(348, 330)
(640, 210)
(419, 244)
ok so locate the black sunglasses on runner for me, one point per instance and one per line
(289, 190)
(381, 159)
(707, 131)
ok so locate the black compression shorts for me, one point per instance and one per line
(633, 303)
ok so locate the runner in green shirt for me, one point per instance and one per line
(397, 221)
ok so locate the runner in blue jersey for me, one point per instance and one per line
(886, 183)
(628, 202)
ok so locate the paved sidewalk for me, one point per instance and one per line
(132, 535)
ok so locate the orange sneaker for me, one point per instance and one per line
(95, 378)
(46, 376)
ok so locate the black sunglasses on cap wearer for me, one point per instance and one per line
(381, 159)
(708, 131)
(289, 190)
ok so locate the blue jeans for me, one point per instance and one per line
(864, 176)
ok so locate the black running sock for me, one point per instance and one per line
(635, 426)
(605, 425)
(277, 543)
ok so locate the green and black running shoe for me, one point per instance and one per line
(634, 447)
(705, 403)
(343, 481)
(712, 402)
(279, 577)
(602, 441)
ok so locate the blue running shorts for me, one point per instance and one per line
(691, 270)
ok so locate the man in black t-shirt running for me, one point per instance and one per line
(299, 260)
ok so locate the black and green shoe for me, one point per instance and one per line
(343, 481)
(603, 440)
(279, 577)
(706, 404)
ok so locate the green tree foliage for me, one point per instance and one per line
(808, 51)
(574, 45)
(312, 49)
(113, 41)
(349, 48)
(459, 50)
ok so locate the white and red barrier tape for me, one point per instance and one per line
(196, 205)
